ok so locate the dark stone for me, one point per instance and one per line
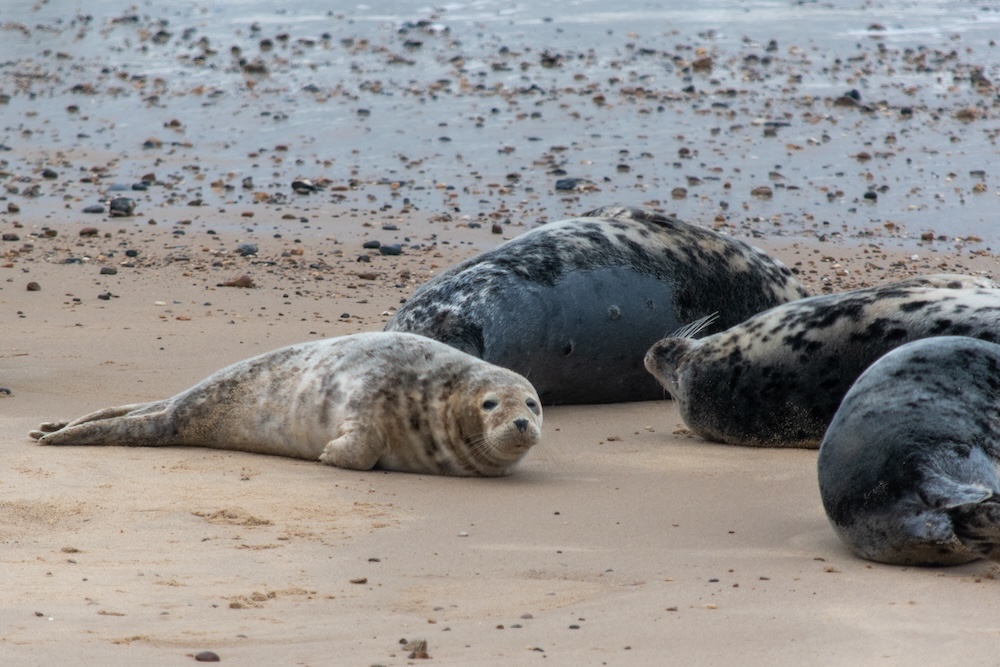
(391, 249)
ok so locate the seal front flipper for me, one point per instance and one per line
(352, 450)
(977, 526)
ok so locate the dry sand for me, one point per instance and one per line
(620, 540)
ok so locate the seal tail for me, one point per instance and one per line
(977, 526)
(694, 328)
(141, 424)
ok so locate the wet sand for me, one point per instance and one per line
(622, 539)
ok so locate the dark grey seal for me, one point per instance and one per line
(574, 305)
(777, 379)
(908, 467)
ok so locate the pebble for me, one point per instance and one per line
(109, 271)
(207, 656)
(243, 281)
(34, 287)
(246, 249)
(567, 183)
(371, 244)
(391, 249)
(11, 237)
(122, 207)
(89, 231)
(96, 208)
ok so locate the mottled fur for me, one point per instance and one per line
(908, 467)
(574, 305)
(777, 379)
(392, 400)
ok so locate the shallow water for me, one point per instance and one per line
(477, 109)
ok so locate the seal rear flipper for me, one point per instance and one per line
(140, 424)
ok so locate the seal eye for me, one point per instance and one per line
(489, 404)
(532, 405)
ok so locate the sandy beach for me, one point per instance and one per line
(621, 540)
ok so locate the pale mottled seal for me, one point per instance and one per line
(392, 400)
(776, 379)
(908, 467)
(574, 305)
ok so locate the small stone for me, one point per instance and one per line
(303, 186)
(11, 237)
(246, 249)
(497, 229)
(89, 231)
(49, 174)
(207, 656)
(109, 271)
(131, 253)
(372, 245)
(13, 208)
(360, 580)
(34, 287)
(122, 207)
(96, 208)
(243, 281)
(391, 249)
(567, 183)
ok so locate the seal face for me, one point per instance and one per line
(391, 400)
(908, 468)
(777, 379)
(573, 305)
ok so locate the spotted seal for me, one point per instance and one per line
(776, 379)
(573, 305)
(908, 470)
(396, 401)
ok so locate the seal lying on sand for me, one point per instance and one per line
(574, 305)
(777, 379)
(392, 400)
(908, 467)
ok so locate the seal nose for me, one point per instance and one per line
(521, 424)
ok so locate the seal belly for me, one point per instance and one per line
(583, 339)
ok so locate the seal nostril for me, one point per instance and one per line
(567, 349)
(521, 424)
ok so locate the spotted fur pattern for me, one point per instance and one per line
(908, 467)
(574, 305)
(392, 400)
(776, 379)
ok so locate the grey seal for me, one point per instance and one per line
(776, 379)
(574, 305)
(908, 467)
(395, 401)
